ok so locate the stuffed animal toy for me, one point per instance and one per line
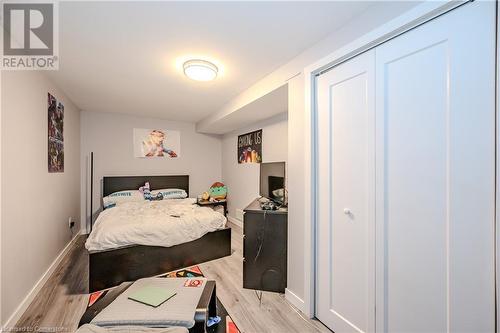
(218, 191)
(159, 196)
(205, 196)
(145, 190)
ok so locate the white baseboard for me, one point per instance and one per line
(235, 221)
(18, 312)
(294, 300)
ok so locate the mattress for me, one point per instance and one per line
(153, 223)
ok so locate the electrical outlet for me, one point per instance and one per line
(71, 223)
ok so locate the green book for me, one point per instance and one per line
(151, 295)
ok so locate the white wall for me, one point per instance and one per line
(359, 26)
(298, 165)
(242, 180)
(109, 136)
(1, 186)
(296, 198)
(36, 204)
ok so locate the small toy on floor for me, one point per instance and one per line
(213, 321)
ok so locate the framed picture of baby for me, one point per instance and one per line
(156, 143)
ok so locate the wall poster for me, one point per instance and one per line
(250, 147)
(156, 143)
(55, 134)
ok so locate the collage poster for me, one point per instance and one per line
(56, 137)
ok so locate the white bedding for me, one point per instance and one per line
(153, 223)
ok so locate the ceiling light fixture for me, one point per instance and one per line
(200, 70)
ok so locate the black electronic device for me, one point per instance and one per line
(272, 182)
(268, 205)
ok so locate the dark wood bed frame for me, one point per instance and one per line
(112, 267)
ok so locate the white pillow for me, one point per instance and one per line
(119, 197)
(170, 193)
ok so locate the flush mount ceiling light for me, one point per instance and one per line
(200, 70)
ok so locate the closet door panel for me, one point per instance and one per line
(435, 175)
(346, 277)
(416, 190)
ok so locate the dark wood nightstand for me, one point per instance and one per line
(208, 203)
(265, 248)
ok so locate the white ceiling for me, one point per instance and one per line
(267, 106)
(124, 56)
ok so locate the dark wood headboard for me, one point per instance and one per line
(121, 183)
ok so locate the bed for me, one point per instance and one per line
(110, 266)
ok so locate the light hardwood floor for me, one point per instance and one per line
(63, 299)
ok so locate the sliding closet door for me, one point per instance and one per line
(345, 268)
(435, 118)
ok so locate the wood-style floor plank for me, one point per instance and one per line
(63, 299)
(275, 314)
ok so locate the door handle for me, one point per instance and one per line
(347, 211)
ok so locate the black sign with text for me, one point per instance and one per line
(250, 147)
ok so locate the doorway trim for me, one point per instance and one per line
(407, 21)
(497, 170)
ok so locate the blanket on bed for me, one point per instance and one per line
(153, 223)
